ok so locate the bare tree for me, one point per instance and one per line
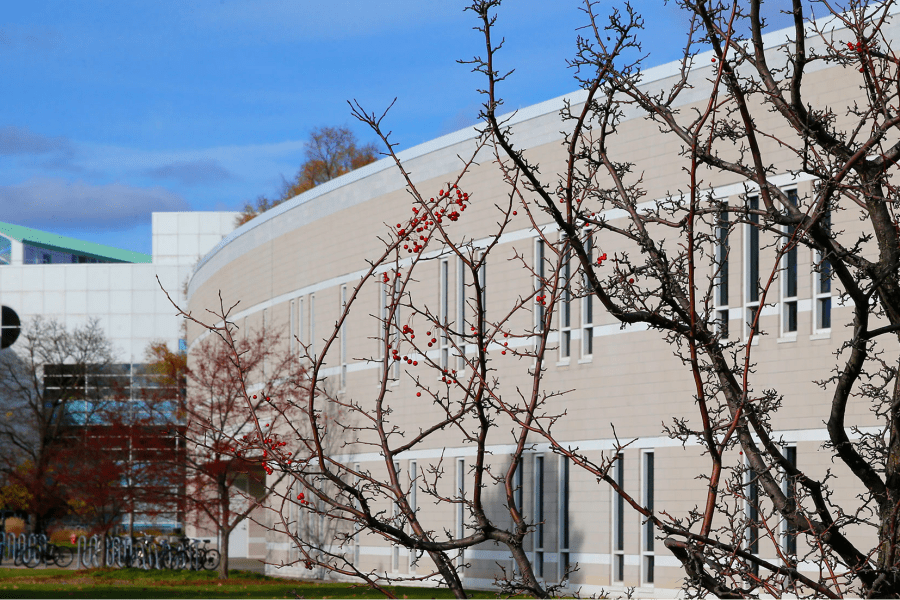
(670, 260)
(660, 273)
(52, 382)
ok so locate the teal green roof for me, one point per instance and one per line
(52, 241)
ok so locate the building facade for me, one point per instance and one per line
(72, 281)
(294, 266)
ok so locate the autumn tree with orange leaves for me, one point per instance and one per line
(330, 153)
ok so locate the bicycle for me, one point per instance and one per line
(61, 556)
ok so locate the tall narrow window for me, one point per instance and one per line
(357, 526)
(293, 321)
(265, 314)
(461, 313)
(482, 283)
(565, 302)
(518, 489)
(301, 329)
(414, 555)
(382, 335)
(648, 531)
(619, 521)
(822, 287)
(395, 325)
(460, 508)
(563, 517)
(343, 333)
(538, 503)
(721, 279)
(312, 326)
(789, 277)
(751, 493)
(518, 499)
(587, 303)
(539, 274)
(788, 484)
(395, 548)
(444, 316)
(751, 285)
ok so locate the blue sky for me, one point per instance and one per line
(114, 109)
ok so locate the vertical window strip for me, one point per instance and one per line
(751, 294)
(482, 282)
(538, 503)
(565, 304)
(301, 330)
(789, 278)
(461, 313)
(312, 326)
(822, 287)
(395, 326)
(721, 280)
(587, 303)
(357, 527)
(343, 333)
(619, 521)
(539, 288)
(649, 532)
(381, 335)
(460, 508)
(751, 493)
(563, 517)
(518, 499)
(293, 321)
(414, 506)
(395, 548)
(789, 488)
(265, 314)
(444, 316)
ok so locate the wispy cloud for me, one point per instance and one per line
(192, 172)
(42, 202)
(23, 141)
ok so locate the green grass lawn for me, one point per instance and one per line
(137, 583)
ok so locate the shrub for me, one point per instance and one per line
(14, 525)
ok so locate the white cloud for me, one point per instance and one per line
(42, 201)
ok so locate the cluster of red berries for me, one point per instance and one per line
(271, 449)
(600, 259)
(302, 498)
(542, 300)
(449, 377)
(858, 47)
(420, 223)
(395, 355)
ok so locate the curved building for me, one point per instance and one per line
(294, 266)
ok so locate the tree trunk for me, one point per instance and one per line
(888, 584)
(224, 529)
(223, 553)
(527, 571)
(448, 572)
